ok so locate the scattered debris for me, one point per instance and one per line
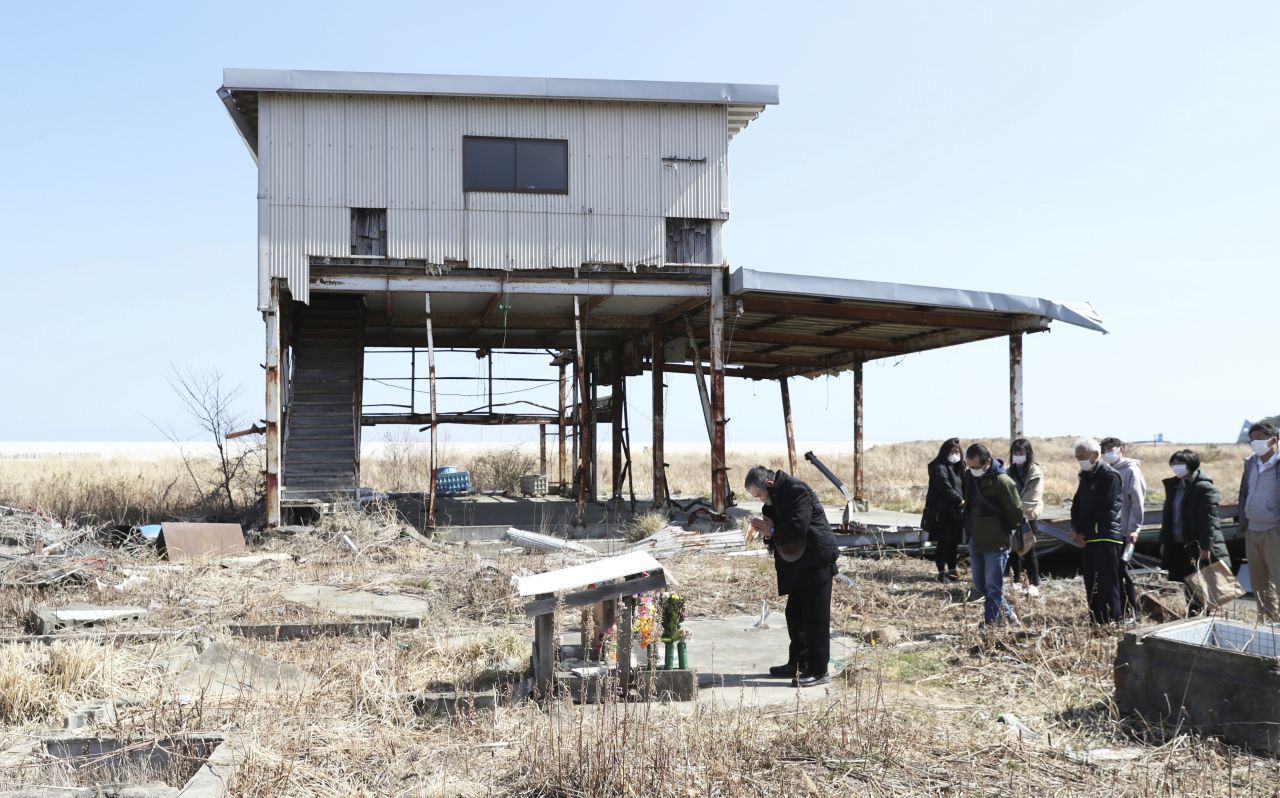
(400, 609)
(674, 541)
(883, 636)
(50, 620)
(186, 541)
(1017, 727)
(533, 540)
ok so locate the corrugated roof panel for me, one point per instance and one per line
(641, 187)
(409, 149)
(447, 119)
(366, 161)
(326, 142)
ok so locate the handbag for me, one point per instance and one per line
(1214, 585)
(1024, 539)
(929, 520)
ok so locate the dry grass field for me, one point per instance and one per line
(916, 718)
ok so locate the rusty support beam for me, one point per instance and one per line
(444, 419)
(593, 419)
(786, 418)
(665, 288)
(1015, 386)
(703, 395)
(616, 404)
(745, 372)
(859, 464)
(719, 466)
(542, 448)
(656, 366)
(513, 321)
(274, 408)
(817, 341)
(564, 400)
(435, 419)
(934, 319)
(584, 423)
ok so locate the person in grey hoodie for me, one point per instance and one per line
(1260, 518)
(1133, 495)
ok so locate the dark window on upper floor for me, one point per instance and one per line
(537, 166)
(369, 231)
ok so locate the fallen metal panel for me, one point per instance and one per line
(187, 541)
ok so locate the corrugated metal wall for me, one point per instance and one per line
(321, 155)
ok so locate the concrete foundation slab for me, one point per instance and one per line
(222, 672)
(310, 631)
(400, 609)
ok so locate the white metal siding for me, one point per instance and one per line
(322, 154)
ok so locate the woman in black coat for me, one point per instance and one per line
(1190, 529)
(942, 507)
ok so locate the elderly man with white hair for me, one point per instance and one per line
(1096, 525)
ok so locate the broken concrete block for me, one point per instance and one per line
(224, 672)
(453, 703)
(310, 631)
(403, 610)
(673, 685)
(50, 620)
(92, 713)
(883, 636)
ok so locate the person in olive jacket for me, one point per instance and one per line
(942, 508)
(804, 556)
(1190, 531)
(992, 511)
(1095, 524)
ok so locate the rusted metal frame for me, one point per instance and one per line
(813, 341)
(472, 419)
(626, 448)
(435, 419)
(745, 372)
(657, 368)
(489, 382)
(584, 287)
(542, 448)
(859, 464)
(357, 391)
(514, 321)
(763, 323)
(879, 315)
(786, 418)
(719, 466)
(703, 394)
(564, 399)
(274, 409)
(491, 306)
(682, 309)
(1015, 386)
(495, 340)
(593, 423)
(584, 423)
(617, 402)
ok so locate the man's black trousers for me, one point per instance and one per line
(809, 627)
(1101, 571)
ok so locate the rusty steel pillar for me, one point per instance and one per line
(786, 417)
(656, 367)
(719, 468)
(274, 406)
(431, 386)
(1015, 386)
(542, 449)
(859, 467)
(560, 438)
(585, 422)
(616, 404)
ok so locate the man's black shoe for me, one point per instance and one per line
(783, 671)
(813, 681)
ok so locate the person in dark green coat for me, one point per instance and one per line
(992, 510)
(1190, 530)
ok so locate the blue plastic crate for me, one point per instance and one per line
(451, 481)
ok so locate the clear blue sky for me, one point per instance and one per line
(1120, 153)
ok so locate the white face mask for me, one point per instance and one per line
(1085, 465)
(1179, 470)
(977, 472)
(1260, 447)
(953, 458)
(1112, 456)
(1019, 459)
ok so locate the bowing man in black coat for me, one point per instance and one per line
(804, 554)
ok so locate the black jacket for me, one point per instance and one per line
(1200, 523)
(1095, 510)
(946, 483)
(797, 514)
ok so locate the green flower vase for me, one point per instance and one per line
(683, 649)
(669, 656)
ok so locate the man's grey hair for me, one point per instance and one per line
(757, 477)
(1090, 445)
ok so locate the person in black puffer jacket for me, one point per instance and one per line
(943, 506)
(804, 556)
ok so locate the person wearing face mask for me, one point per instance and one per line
(942, 507)
(794, 525)
(1190, 530)
(1133, 495)
(992, 511)
(1260, 519)
(1029, 477)
(1095, 525)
